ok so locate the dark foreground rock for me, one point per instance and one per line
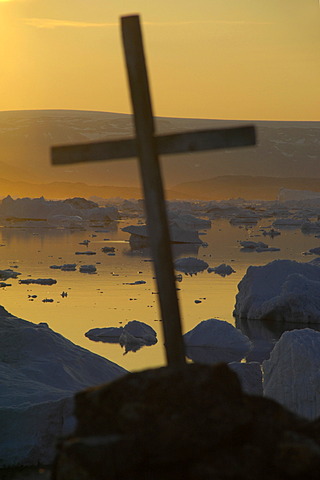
(192, 423)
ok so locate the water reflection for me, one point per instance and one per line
(265, 333)
(177, 249)
(209, 355)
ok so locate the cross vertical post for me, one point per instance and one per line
(147, 146)
(153, 189)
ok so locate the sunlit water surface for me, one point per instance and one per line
(105, 299)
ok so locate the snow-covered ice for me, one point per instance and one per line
(139, 235)
(216, 341)
(70, 212)
(291, 375)
(190, 265)
(40, 371)
(283, 290)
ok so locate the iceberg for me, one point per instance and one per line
(216, 341)
(283, 290)
(40, 371)
(291, 375)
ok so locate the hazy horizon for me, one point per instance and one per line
(212, 59)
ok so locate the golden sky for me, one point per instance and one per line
(231, 59)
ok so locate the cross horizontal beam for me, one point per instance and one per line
(200, 140)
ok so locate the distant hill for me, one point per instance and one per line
(244, 186)
(283, 148)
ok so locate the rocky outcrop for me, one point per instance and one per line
(192, 423)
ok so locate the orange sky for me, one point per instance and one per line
(230, 59)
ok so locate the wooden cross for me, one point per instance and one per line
(147, 146)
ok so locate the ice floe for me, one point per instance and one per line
(283, 290)
(291, 375)
(222, 270)
(139, 235)
(66, 267)
(38, 281)
(132, 336)
(190, 265)
(8, 273)
(40, 371)
(88, 269)
(216, 341)
(188, 222)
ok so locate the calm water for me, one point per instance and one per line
(105, 299)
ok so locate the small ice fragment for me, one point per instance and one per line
(190, 265)
(137, 282)
(88, 269)
(107, 249)
(38, 281)
(88, 252)
(8, 273)
(222, 270)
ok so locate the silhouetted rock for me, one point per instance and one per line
(192, 423)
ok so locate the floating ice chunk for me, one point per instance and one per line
(132, 336)
(40, 371)
(216, 341)
(87, 269)
(245, 217)
(272, 232)
(88, 252)
(281, 290)
(67, 221)
(190, 265)
(106, 335)
(107, 249)
(310, 227)
(250, 376)
(38, 281)
(8, 273)
(130, 342)
(291, 375)
(141, 330)
(267, 249)
(140, 236)
(187, 221)
(288, 222)
(249, 245)
(84, 242)
(315, 251)
(137, 282)
(222, 270)
(67, 267)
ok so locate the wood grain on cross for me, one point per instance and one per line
(147, 146)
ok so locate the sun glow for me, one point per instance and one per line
(215, 60)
